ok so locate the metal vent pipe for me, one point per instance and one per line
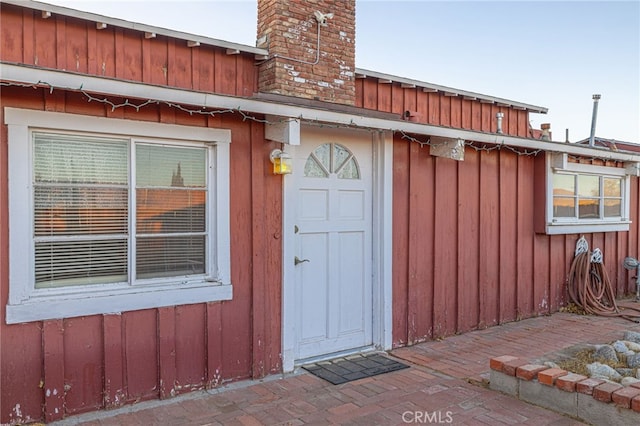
(596, 98)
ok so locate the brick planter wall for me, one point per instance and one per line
(592, 400)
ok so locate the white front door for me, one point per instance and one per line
(332, 216)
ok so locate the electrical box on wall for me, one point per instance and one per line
(559, 160)
(632, 169)
(446, 147)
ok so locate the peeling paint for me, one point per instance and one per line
(545, 303)
(216, 380)
(15, 417)
(17, 413)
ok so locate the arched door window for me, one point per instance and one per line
(332, 158)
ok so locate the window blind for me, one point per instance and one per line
(80, 210)
(170, 211)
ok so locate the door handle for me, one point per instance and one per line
(297, 261)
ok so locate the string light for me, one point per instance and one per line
(474, 145)
(245, 116)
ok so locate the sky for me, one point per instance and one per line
(554, 54)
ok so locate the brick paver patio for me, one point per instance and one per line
(443, 385)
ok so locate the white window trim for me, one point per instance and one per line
(558, 162)
(28, 304)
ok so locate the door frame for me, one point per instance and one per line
(382, 199)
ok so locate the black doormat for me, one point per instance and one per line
(354, 367)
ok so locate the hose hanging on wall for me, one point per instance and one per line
(591, 289)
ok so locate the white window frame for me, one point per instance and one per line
(557, 163)
(26, 303)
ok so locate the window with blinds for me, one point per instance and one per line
(170, 211)
(110, 210)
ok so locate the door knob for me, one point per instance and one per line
(298, 261)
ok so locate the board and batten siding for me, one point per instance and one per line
(98, 361)
(55, 368)
(465, 253)
(76, 45)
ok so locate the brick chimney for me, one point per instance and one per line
(296, 67)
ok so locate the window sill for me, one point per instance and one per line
(132, 299)
(558, 228)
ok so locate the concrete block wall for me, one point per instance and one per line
(592, 400)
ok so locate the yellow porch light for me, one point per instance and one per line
(282, 162)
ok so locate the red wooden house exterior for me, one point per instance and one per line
(442, 213)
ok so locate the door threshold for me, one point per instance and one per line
(311, 360)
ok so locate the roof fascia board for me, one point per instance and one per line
(63, 80)
(445, 89)
(121, 23)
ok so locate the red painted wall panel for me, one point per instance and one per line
(401, 248)
(476, 116)
(76, 48)
(421, 235)
(53, 383)
(369, 93)
(489, 240)
(507, 218)
(21, 371)
(141, 354)
(445, 265)
(157, 55)
(541, 275)
(236, 316)
(384, 97)
(12, 37)
(525, 217)
(191, 347)
(114, 362)
(434, 109)
(45, 42)
(456, 111)
(410, 100)
(445, 111)
(466, 111)
(469, 193)
(83, 364)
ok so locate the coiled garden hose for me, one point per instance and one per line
(591, 289)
